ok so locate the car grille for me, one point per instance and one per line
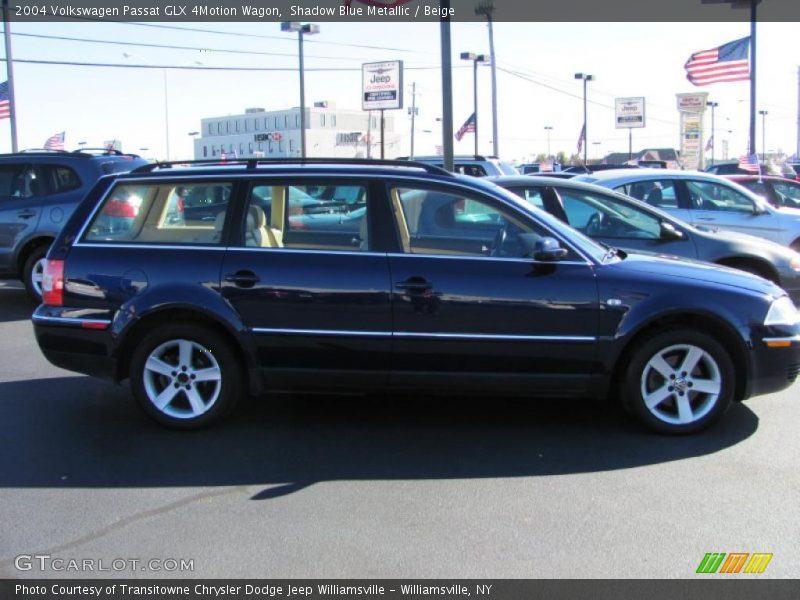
(793, 371)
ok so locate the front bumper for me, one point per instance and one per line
(775, 360)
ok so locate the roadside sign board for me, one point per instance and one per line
(382, 85)
(629, 112)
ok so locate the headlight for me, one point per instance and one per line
(795, 263)
(782, 312)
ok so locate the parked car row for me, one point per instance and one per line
(372, 275)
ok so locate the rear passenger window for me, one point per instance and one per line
(307, 217)
(64, 179)
(166, 213)
(659, 193)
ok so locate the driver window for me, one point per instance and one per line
(705, 195)
(603, 216)
(433, 222)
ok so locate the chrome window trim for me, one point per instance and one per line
(69, 320)
(422, 335)
(251, 176)
(146, 246)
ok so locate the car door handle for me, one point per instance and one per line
(26, 214)
(415, 284)
(706, 219)
(243, 279)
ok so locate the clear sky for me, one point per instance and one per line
(536, 63)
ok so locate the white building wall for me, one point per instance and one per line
(276, 134)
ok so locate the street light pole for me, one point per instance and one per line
(713, 105)
(475, 58)
(763, 114)
(301, 29)
(413, 112)
(548, 129)
(586, 78)
(486, 9)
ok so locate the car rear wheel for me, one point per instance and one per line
(33, 272)
(679, 381)
(185, 376)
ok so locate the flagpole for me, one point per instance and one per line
(12, 104)
(752, 149)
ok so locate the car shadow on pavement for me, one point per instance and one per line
(77, 432)
(15, 302)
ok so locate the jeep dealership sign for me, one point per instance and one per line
(629, 112)
(382, 85)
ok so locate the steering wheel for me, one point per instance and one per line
(593, 225)
(499, 242)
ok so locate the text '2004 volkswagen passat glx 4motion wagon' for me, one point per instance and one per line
(226, 279)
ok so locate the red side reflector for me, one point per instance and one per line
(94, 325)
(53, 283)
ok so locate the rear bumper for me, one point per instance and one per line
(76, 343)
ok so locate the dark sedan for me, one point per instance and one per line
(778, 191)
(620, 221)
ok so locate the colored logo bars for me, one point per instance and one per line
(736, 562)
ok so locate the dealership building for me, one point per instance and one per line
(330, 132)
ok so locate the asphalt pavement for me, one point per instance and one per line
(318, 486)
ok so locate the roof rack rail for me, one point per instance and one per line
(252, 163)
(48, 150)
(99, 150)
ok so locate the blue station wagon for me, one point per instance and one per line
(433, 281)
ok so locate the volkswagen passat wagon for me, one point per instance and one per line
(483, 293)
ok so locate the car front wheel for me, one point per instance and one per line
(185, 376)
(33, 272)
(679, 381)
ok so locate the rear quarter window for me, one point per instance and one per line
(162, 213)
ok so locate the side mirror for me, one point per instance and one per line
(548, 249)
(668, 232)
(760, 209)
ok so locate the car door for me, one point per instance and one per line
(312, 287)
(716, 204)
(621, 224)
(21, 193)
(471, 306)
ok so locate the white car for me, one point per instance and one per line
(704, 200)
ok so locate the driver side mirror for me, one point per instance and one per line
(548, 249)
(760, 209)
(668, 232)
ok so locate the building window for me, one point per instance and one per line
(219, 126)
(297, 120)
(291, 146)
(255, 124)
(227, 126)
(280, 146)
(209, 128)
(322, 119)
(205, 151)
(241, 148)
(237, 125)
(270, 148)
(251, 147)
(333, 120)
(286, 121)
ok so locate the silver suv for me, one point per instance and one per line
(38, 192)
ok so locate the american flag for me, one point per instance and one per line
(749, 162)
(582, 138)
(55, 142)
(710, 143)
(467, 127)
(729, 62)
(5, 101)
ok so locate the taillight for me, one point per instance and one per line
(53, 283)
(121, 208)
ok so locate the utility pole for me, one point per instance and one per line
(447, 86)
(797, 150)
(413, 112)
(12, 103)
(713, 105)
(487, 9)
(752, 149)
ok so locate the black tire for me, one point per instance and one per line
(715, 368)
(31, 287)
(755, 270)
(209, 350)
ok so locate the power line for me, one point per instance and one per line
(282, 38)
(196, 67)
(174, 47)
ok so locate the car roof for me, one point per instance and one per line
(741, 177)
(60, 155)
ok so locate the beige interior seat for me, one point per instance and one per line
(258, 234)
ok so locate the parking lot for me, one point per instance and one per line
(315, 486)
